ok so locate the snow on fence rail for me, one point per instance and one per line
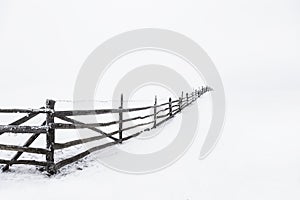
(49, 126)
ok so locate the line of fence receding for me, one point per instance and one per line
(161, 113)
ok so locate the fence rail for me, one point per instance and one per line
(161, 113)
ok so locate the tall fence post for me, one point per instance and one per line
(154, 108)
(121, 120)
(170, 107)
(50, 137)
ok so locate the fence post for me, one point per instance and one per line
(179, 103)
(120, 120)
(155, 117)
(187, 99)
(170, 106)
(50, 138)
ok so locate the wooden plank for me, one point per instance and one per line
(98, 112)
(81, 126)
(23, 149)
(23, 162)
(23, 129)
(37, 111)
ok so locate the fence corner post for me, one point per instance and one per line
(170, 107)
(155, 111)
(50, 137)
(121, 120)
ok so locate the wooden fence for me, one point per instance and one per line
(48, 127)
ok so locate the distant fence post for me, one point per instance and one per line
(155, 115)
(121, 120)
(187, 98)
(50, 137)
(193, 97)
(170, 107)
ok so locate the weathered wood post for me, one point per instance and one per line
(180, 104)
(155, 108)
(170, 107)
(50, 137)
(121, 120)
(187, 99)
